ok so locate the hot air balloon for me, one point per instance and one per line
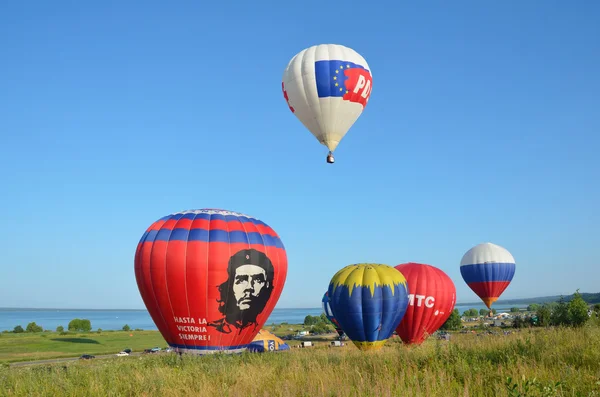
(329, 314)
(430, 302)
(487, 269)
(267, 342)
(327, 87)
(368, 300)
(210, 278)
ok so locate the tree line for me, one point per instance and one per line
(75, 325)
(572, 313)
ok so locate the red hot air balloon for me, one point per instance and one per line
(210, 278)
(430, 302)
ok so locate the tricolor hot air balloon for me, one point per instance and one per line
(487, 269)
(210, 278)
(329, 313)
(430, 302)
(327, 87)
(368, 301)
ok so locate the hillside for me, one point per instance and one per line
(590, 298)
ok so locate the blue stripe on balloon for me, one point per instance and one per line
(214, 235)
(482, 272)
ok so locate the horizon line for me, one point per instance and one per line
(509, 301)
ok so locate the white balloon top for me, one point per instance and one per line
(486, 253)
(212, 211)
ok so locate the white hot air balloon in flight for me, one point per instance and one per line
(327, 87)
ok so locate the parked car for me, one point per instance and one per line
(122, 354)
(86, 357)
(128, 351)
(155, 349)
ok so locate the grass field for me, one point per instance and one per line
(47, 345)
(541, 362)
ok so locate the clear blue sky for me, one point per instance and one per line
(483, 125)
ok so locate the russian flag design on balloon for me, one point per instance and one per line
(488, 269)
(210, 278)
(368, 301)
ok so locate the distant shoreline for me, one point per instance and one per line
(522, 301)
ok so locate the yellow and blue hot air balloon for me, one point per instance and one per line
(368, 300)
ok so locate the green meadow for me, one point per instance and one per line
(530, 362)
(48, 345)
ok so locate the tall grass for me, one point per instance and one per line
(561, 362)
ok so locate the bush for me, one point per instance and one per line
(60, 328)
(578, 310)
(33, 327)
(126, 327)
(519, 322)
(18, 329)
(453, 322)
(543, 316)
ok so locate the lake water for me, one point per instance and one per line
(116, 319)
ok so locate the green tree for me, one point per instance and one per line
(310, 320)
(514, 310)
(543, 314)
(18, 329)
(321, 328)
(126, 327)
(596, 308)
(560, 314)
(453, 322)
(86, 325)
(324, 318)
(80, 325)
(533, 307)
(483, 312)
(60, 328)
(578, 310)
(33, 327)
(471, 313)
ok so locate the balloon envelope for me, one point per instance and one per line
(430, 302)
(327, 87)
(210, 278)
(267, 342)
(329, 313)
(487, 269)
(368, 301)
